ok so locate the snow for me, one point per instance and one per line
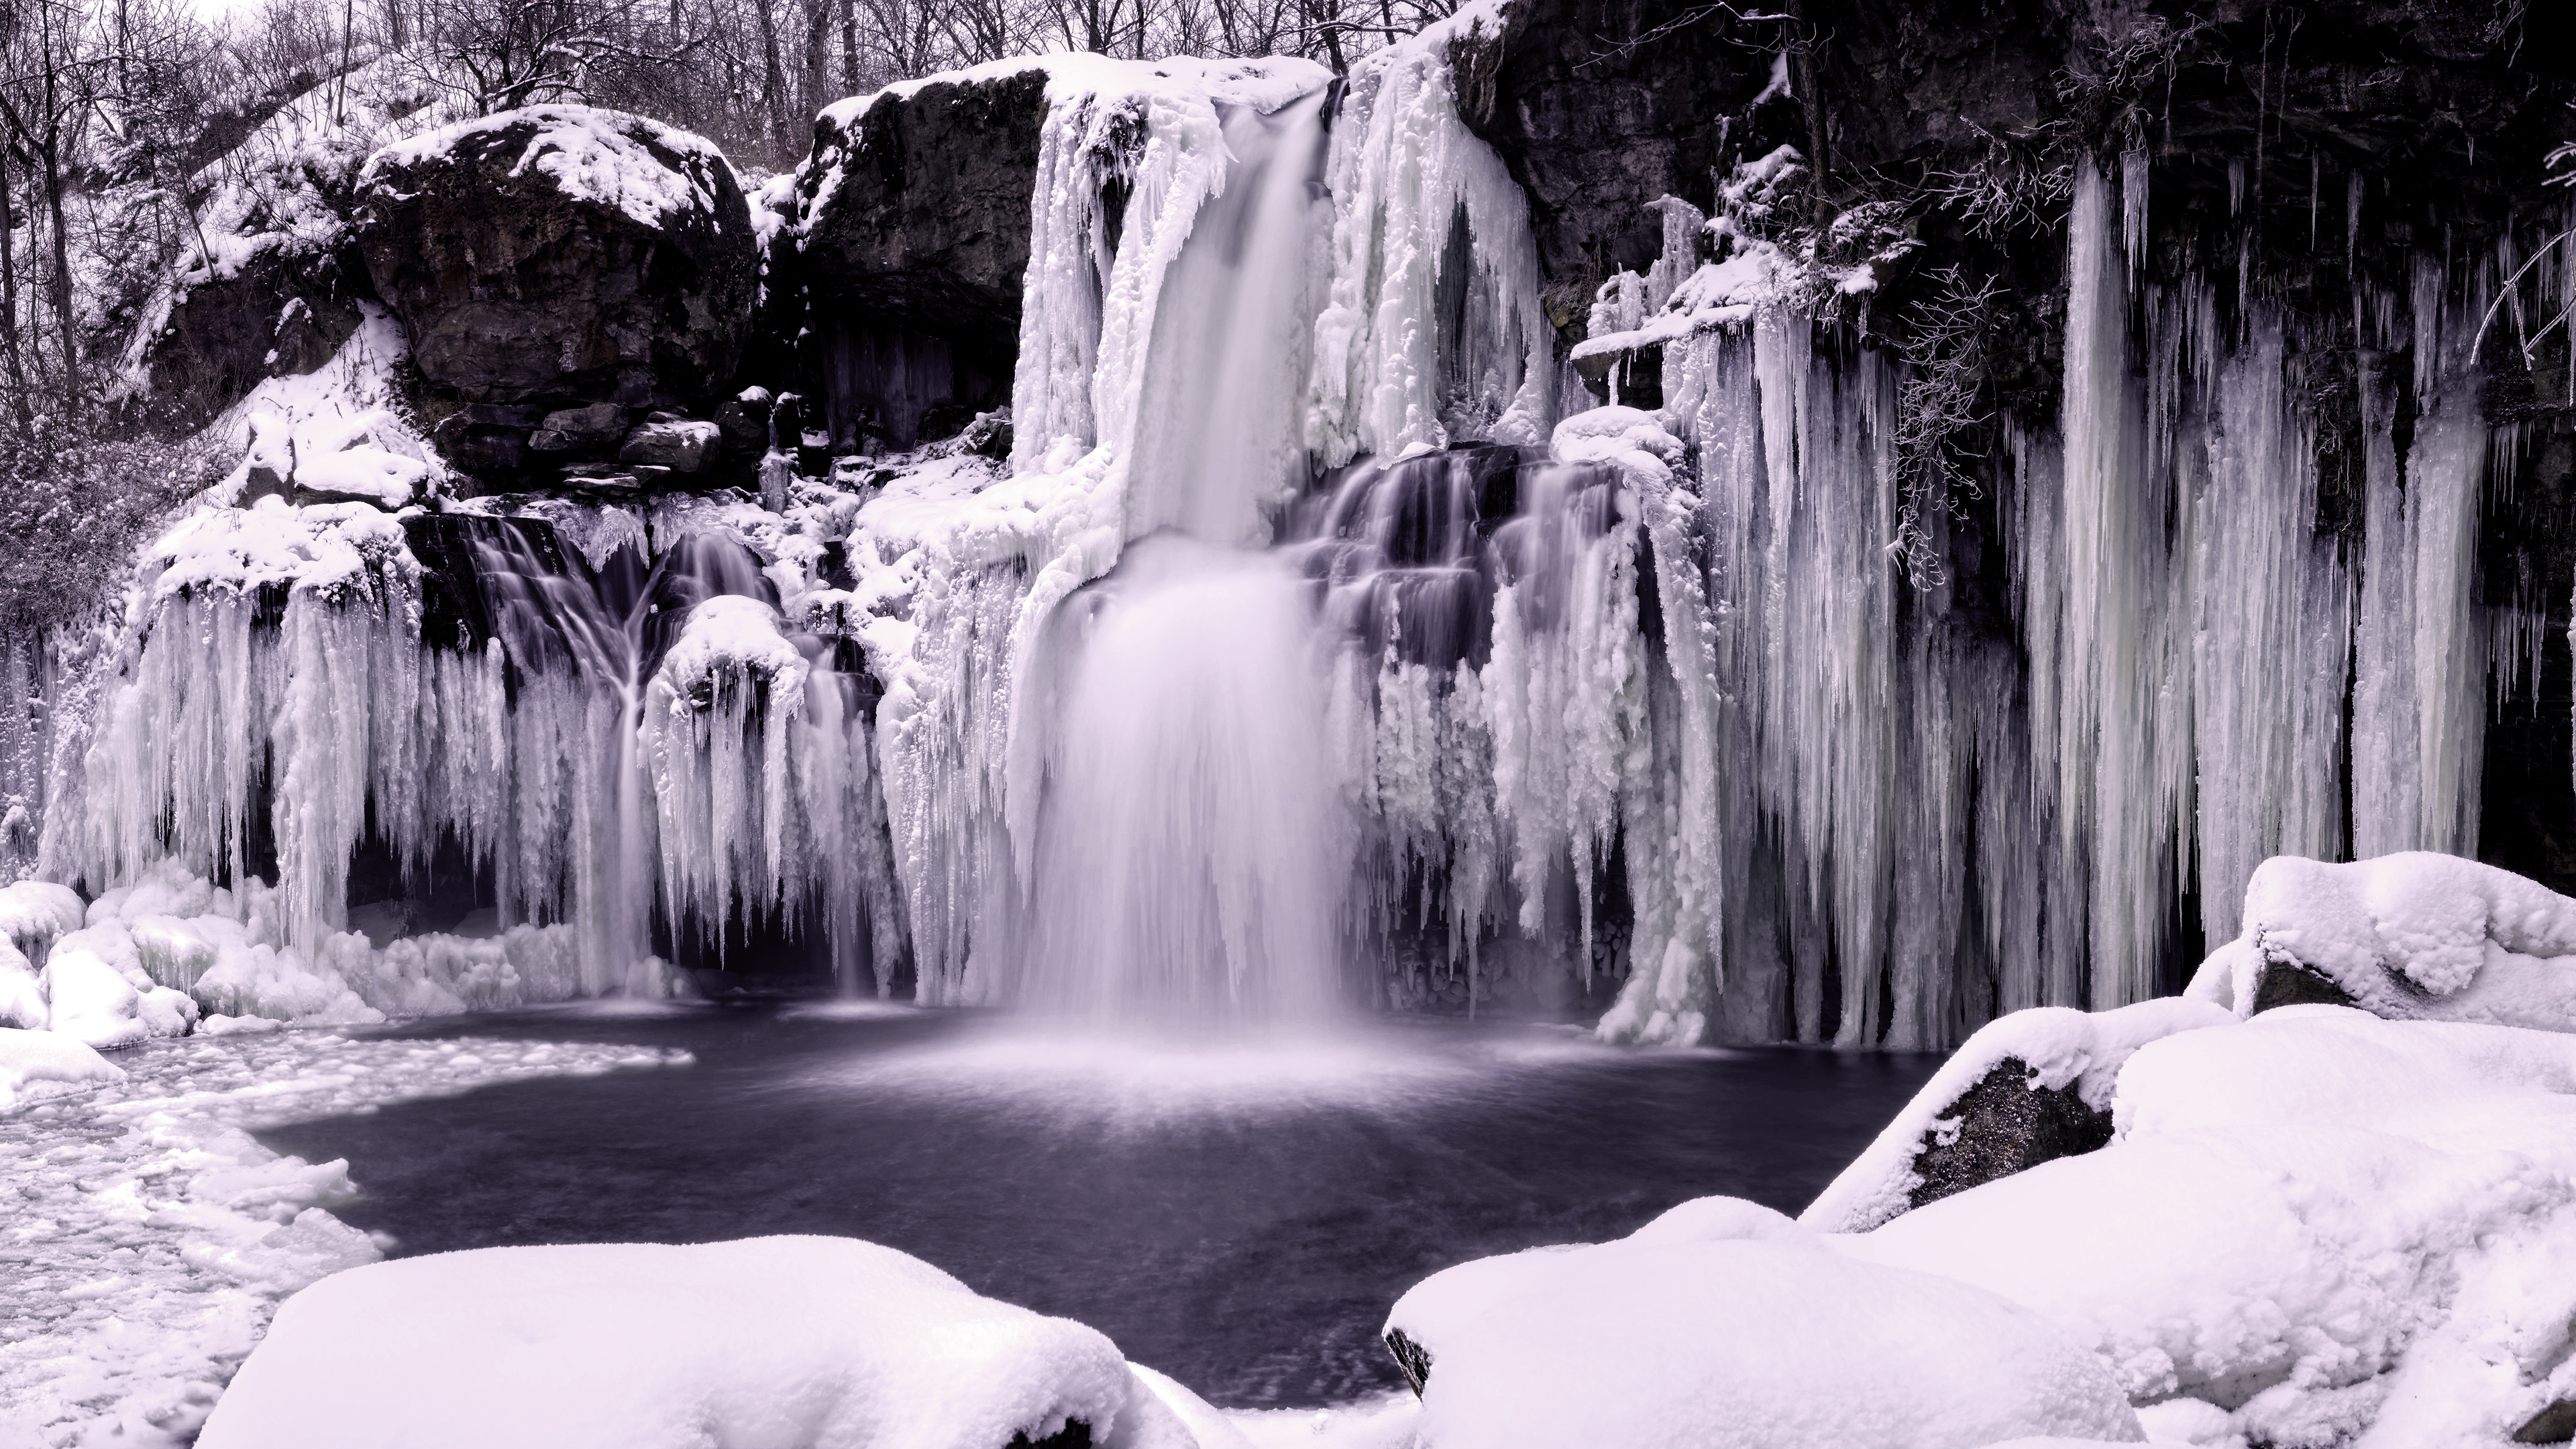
(2059, 1047)
(387, 478)
(34, 913)
(786, 1341)
(150, 1237)
(347, 419)
(2332, 1228)
(607, 158)
(35, 1065)
(2408, 935)
(1738, 1330)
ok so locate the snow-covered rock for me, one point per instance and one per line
(22, 992)
(2405, 936)
(2335, 1229)
(562, 254)
(38, 1064)
(33, 913)
(669, 442)
(92, 1000)
(1723, 1325)
(2026, 1089)
(783, 1342)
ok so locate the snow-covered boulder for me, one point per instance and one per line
(35, 1065)
(274, 304)
(100, 992)
(562, 254)
(2026, 1089)
(913, 211)
(2407, 936)
(2332, 1229)
(1724, 1326)
(22, 991)
(786, 1343)
(33, 913)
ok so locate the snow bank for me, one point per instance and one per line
(1726, 1326)
(2335, 1229)
(604, 157)
(342, 428)
(786, 1342)
(2406, 936)
(2054, 1047)
(35, 1065)
(34, 912)
(150, 1236)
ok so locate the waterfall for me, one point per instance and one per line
(1191, 851)
(1305, 652)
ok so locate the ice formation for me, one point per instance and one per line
(151, 1236)
(1678, 702)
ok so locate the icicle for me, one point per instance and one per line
(2273, 607)
(2419, 714)
(2123, 774)
(1416, 196)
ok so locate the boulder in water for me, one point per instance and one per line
(562, 254)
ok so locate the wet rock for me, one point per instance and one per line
(744, 421)
(2001, 1126)
(2553, 1425)
(562, 254)
(914, 215)
(2289, 983)
(1411, 1359)
(677, 444)
(281, 313)
(575, 429)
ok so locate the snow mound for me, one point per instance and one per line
(35, 1065)
(330, 549)
(784, 1342)
(1688, 1336)
(2057, 1047)
(34, 912)
(2411, 935)
(2335, 1229)
(150, 1235)
(601, 156)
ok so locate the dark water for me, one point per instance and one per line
(1241, 1220)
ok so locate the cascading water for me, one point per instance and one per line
(1192, 849)
(1304, 636)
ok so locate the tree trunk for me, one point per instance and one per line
(12, 356)
(774, 78)
(70, 325)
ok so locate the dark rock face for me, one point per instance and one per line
(2005, 1126)
(2288, 983)
(915, 215)
(1411, 1359)
(2553, 1425)
(1600, 106)
(563, 256)
(281, 314)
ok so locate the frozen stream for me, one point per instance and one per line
(1240, 1218)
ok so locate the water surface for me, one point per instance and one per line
(1240, 1218)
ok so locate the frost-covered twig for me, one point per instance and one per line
(1945, 356)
